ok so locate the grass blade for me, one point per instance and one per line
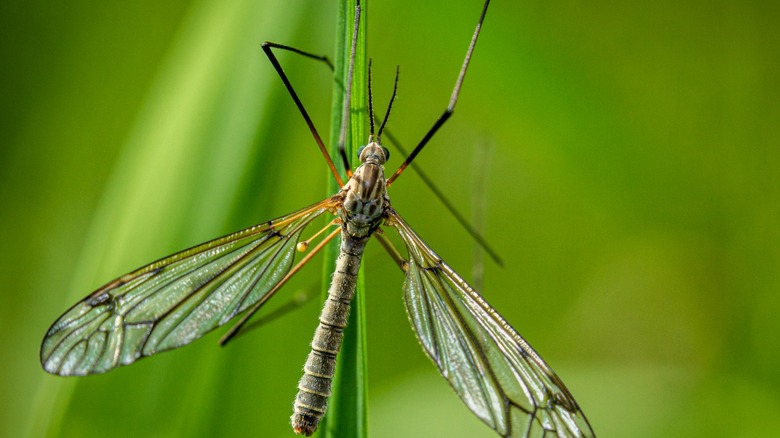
(347, 411)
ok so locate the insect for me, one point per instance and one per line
(175, 300)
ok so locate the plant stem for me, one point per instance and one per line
(347, 410)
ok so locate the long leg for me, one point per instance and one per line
(449, 205)
(426, 180)
(267, 49)
(237, 327)
(453, 100)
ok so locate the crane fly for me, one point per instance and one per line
(178, 299)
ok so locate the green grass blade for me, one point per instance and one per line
(347, 411)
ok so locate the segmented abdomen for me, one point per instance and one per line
(314, 387)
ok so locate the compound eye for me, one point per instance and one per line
(387, 153)
(360, 150)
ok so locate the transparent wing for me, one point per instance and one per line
(491, 367)
(176, 300)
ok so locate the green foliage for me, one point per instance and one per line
(632, 192)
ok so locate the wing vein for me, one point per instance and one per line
(176, 299)
(489, 365)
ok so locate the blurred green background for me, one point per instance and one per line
(624, 159)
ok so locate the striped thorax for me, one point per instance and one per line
(365, 194)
